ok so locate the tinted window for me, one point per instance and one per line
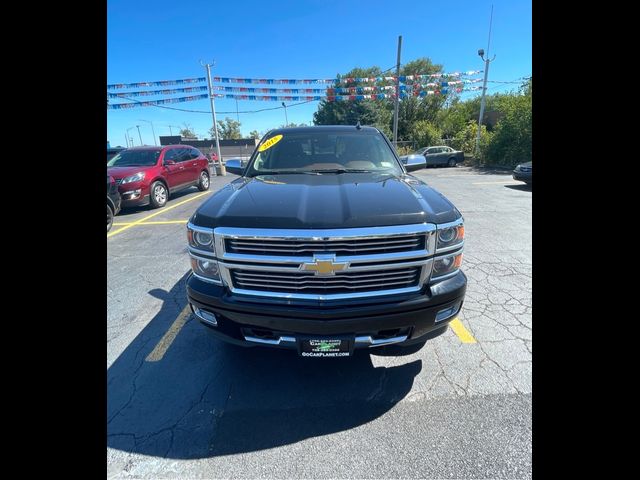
(183, 154)
(432, 150)
(134, 157)
(170, 154)
(195, 153)
(321, 151)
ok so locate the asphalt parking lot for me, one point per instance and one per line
(181, 404)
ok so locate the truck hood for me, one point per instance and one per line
(121, 172)
(347, 200)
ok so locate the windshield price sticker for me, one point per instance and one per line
(269, 143)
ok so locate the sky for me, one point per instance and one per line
(167, 40)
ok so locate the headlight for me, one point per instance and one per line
(206, 268)
(200, 238)
(450, 237)
(518, 168)
(446, 264)
(134, 178)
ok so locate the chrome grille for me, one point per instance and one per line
(270, 263)
(357, 246)
(309, 283)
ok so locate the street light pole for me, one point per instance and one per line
(286, 119)
(213, 109)
(484, 84)
(153, 130)
(139, 136)
(129, 136)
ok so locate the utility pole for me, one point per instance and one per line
(213, 109)
(126, 137)
(397, 102)
(139, 136)
(484, 83)
(153, 130)
(285, 115)
(130, 137)
(237, 114)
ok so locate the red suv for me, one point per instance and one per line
(148, 175)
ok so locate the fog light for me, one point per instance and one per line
(132, 194)
(447, 312)
(207, 317)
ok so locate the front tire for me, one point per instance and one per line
(452, 162)
(158, 195)
(203, 182)
(109, 218)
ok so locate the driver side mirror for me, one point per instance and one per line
(234, 165)
(413, 162)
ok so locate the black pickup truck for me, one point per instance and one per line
(326, 244)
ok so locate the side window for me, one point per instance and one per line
(432, 150)
(195, 153)
(183, 154)
(170, 155)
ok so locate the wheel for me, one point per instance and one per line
(203, 182)
(452, 162)
(158, 195)
(109, 218)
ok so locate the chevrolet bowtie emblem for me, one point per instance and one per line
(324, 265)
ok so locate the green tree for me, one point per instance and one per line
(187, 131)
(425, 134)
(228, 129)
(465, 140)
(254, 134)
(511, 142)
(377, 113)
(414, 109)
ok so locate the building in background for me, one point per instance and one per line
(241, 148)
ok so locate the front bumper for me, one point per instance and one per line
(405, 319)
(522, 176)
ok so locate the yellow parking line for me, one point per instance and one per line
(163, 210)
(167, 339)
(170, 222)
(463, 334)
(504, 182)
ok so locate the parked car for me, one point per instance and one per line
(324, 245)
(149, 175)
(441, 155)
(112, 152)
(113, 200)
(523, 173)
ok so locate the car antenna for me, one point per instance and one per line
(358, 127)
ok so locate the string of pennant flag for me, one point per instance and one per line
(333, 93)
(158, 83)
(118, 106)
(157, 92)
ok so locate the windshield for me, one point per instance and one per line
(321, 152)
(128, 158)
(421, 151)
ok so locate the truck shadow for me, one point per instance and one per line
(205, 398)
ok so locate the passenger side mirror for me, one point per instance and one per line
(414, 162)
(234, 165)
